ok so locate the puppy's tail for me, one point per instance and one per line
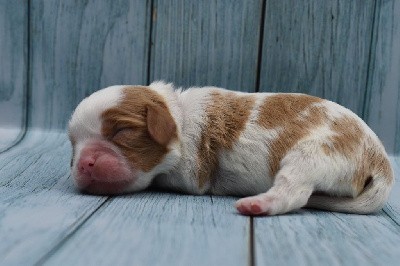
(371, 199)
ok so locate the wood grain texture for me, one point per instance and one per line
(315, 238)
(79, 47)
(43, 219)
(38, 206)
(382, 110)
(160, 229)
(13, 70)
(392, 209)
(318, 47)
(198, 43)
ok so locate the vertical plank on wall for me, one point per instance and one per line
(197, 43)
(13, 69)
(382, 109)
(318, 47)
(81, 46)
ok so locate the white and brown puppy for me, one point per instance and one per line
(280, 151)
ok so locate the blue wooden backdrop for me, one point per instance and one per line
(54, 53)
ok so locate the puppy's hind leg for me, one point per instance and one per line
(289, 192)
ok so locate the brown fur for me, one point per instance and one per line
(160, 124)
(141, 126)
(226, 117)
(283, 112)
(347, 138)
(373, 163)
(347, 142)
(350, 140)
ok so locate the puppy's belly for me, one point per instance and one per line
(244, 171)
(235, 183)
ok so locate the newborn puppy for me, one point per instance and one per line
(280, 151)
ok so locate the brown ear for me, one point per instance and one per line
(160, 124)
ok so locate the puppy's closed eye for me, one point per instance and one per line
(124, 134)
(121, 132)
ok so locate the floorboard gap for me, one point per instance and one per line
(390, 217)
(251, 243)
(43, 259)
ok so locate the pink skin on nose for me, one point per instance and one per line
(101, 170)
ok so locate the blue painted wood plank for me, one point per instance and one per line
(160, 229)
(382, 110)
(393, 207)
(81, 46)
(38, 206)
(320, 238)
(41, 217)
(181, 229)
(214, 43)
(318, 47)
(13, 71)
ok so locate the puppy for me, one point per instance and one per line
(280, 151)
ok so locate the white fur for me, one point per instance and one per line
(192, 103)
(244, 169)
(85, 123)
(86, 120)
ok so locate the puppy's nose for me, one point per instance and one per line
(86, 164)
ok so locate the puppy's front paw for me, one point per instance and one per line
(256, 205)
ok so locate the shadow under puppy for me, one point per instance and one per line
(274, 149)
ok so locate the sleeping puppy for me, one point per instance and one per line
(280, 151)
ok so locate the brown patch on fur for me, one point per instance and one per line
(127, 126)
(160, 124)
(326, 149)
(347, 142)
(372, 164)
(350, 140)
(348, 136)
(284, 113)
(226, 117)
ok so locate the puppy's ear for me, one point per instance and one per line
(160, 124)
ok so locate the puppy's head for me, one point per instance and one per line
(122, 136)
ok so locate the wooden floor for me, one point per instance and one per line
(43, 220)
